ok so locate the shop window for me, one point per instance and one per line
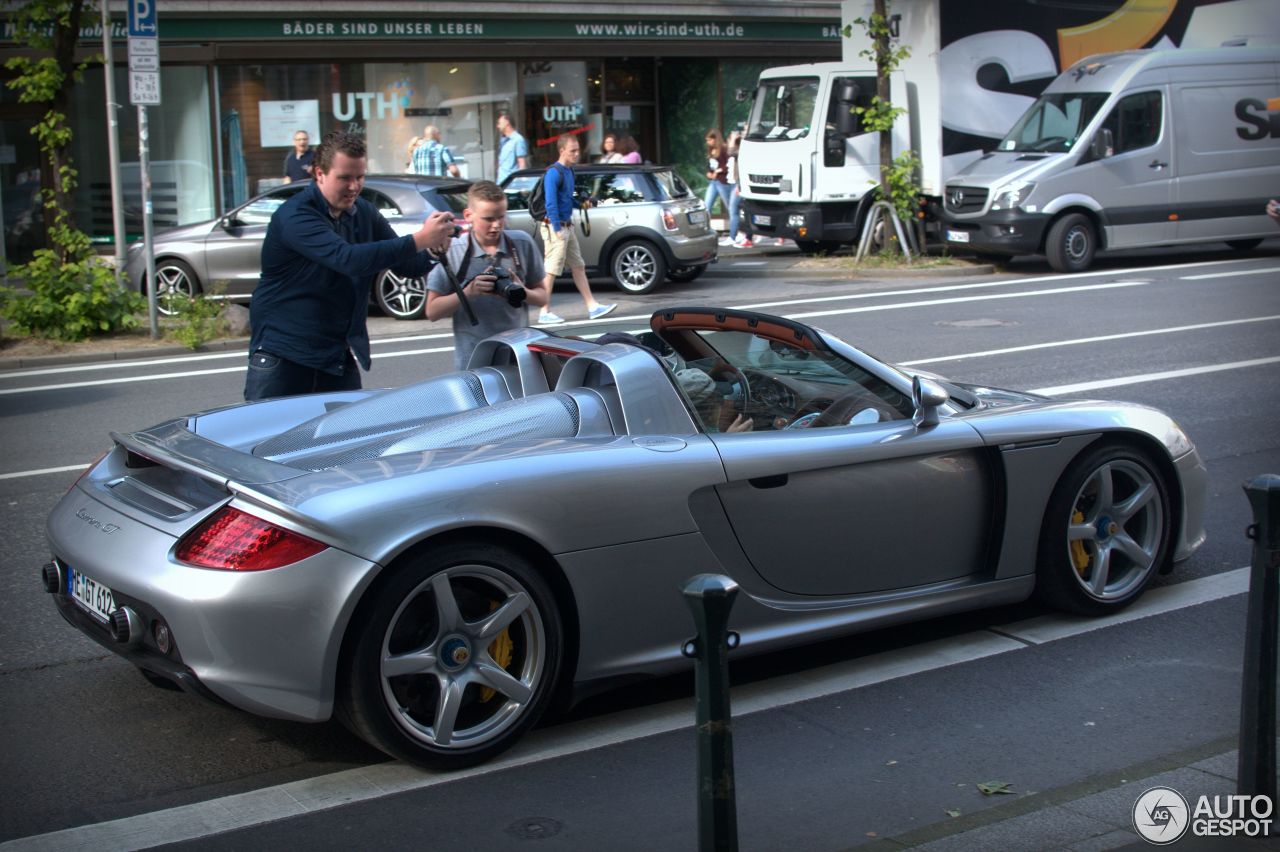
(556, 104)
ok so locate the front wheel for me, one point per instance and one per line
(1106, 532)
(176, 284)
(1071, 243)
(454, 658)
(638, 267)
(400, 297)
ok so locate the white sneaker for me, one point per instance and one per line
(726, 242)
(548, 318)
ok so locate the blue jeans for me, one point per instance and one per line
(270, 376)
(718, 188)
(735, 208)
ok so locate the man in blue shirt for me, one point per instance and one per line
(513, 150)
(297, 163)
(323, 248)
(432, 157)
(559, 240)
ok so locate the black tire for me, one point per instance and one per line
(638, 267)
(1106, 531)
(685, 274)
(400, 297)
(1071, 243)
(175, 280)
(1245, 245)
(493, 646)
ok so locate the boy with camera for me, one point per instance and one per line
(499, 272)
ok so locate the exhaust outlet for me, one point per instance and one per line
(126, 626)
(51, 576)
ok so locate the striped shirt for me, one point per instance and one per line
(432, 158)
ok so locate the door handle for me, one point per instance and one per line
(776, 481)
(1156, 164)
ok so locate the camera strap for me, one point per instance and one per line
(464, 266)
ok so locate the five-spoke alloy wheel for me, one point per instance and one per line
(455, 657)
(400, 297)
(176, 283)
(1106, 531)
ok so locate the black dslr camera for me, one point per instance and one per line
(506, 288)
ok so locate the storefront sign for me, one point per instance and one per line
(279, 120)
(440, 29)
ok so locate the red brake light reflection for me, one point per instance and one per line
(232, 540)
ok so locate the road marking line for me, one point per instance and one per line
(1151, 377)
(312, 795)
(1231, 274)
(955, 300)
(1103, 338)
(63, 469)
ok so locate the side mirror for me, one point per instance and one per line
(1102, 146)
(849, 93)
(926, 397)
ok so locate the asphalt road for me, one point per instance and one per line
(86, 740)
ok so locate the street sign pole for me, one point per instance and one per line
(113, 143)
(144, 89)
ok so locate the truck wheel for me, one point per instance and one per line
(1071, 243)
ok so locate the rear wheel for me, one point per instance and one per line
(455, 657)
(1245, 245)
(176, 283)
(1071, 243)
(400, 297)
(1106, 532)
(685, 274)
(638, 267)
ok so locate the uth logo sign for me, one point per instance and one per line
(1262, 118)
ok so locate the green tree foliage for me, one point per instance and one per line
(880, 114)
(69, 295)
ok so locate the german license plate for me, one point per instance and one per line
(762, 220)
(697, 217)
(91, 595)
(957, 236)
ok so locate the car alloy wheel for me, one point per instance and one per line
(400, 297)
(457, 658)
(1106, 531)
(175, 284)
(638, 267)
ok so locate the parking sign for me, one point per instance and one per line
(142, 19)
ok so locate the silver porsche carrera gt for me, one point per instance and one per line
(435, 563)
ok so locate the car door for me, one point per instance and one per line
(1135, 184)
(590, 224)
(861, 508)
(518, 189)
(233, 249)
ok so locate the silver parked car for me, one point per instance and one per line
(645, 226)
(433, 563)
(222, 257)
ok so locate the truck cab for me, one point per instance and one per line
(806, 165)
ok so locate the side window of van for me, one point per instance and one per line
(1135, 121)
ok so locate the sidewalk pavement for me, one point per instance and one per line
(785, 260)
(1095, 814)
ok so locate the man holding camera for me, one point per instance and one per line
(323, 248)
(499, 270)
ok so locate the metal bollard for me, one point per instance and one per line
(1256, 772)
(710, 597)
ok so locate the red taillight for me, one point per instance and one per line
(668, 220)
(236, 541)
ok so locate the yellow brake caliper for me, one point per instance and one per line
(502, 649)
(1079, 556)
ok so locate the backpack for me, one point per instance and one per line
(538, 197)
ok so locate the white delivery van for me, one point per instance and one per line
(1130, 150)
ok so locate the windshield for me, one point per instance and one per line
(783, 108)
(1054, 123)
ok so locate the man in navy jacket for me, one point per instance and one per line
(323, 248)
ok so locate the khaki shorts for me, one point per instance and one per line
(560, 253)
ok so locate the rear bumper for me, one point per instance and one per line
(1005, 232)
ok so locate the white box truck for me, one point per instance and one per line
(808, 171)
